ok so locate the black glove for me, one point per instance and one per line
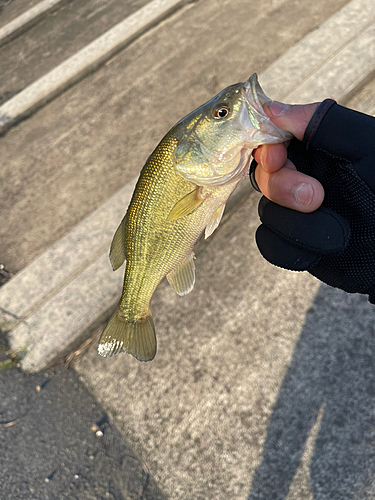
(336, 243)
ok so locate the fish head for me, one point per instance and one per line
(216, 140)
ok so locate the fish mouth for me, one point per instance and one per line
(258, 125)
(254, 94)
(253, 100)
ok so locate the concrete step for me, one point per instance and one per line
(75, 269)
(250, 338)
(364, 99)
(21, 15)
(54, 39)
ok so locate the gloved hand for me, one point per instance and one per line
(335, 242)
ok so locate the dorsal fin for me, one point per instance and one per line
(117, 253)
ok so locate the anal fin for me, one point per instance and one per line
(214, 222)
(182, 279)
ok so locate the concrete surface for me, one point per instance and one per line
(308, 71)
(364, 100)
(73, 155)
(58, 37)
(66, 259)
(347, 69)
(55, 293)
(244, 365)
(28, 18)
(76, 293)
(11, 9)
(244, 400)
(48, 450)
(83, 62)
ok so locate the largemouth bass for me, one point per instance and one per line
(181, 192)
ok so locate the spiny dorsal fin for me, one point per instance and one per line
(186, 205)
(214, 222)
(182, 279)
(117, 253)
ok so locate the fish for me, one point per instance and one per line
(181, 193)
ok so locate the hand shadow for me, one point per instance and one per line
(333, 364)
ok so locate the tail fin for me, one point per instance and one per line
(136, 338)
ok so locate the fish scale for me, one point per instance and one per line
(165, 244)
(181, 192)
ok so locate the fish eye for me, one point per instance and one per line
(221, 111)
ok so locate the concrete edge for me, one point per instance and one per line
(69, 316)
(66, 259)
(343, 73)
(76, 67)
(29, 19)
(300, 63)
(70, 310)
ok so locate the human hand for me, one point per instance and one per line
(332, 233)
(276, 176)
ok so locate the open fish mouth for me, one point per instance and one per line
(254, 94)
(259, 126)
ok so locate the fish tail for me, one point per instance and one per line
(134, 337)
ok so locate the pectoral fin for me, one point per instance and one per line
(117, 252)
(182, 279)
(215, 221)
(186, 205)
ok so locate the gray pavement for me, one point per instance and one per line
(262, 385)
(49, 449)
(364, 99)
(73, 277)
(71, 156)
(56, 38)
(226, 408)
(12, 9)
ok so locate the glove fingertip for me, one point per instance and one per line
(322, 231)
(281, 253)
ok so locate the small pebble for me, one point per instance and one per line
(98, 434)
(94, 428)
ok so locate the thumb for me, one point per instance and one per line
(290, 118)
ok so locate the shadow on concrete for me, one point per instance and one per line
(49, 449)
(333, 367)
